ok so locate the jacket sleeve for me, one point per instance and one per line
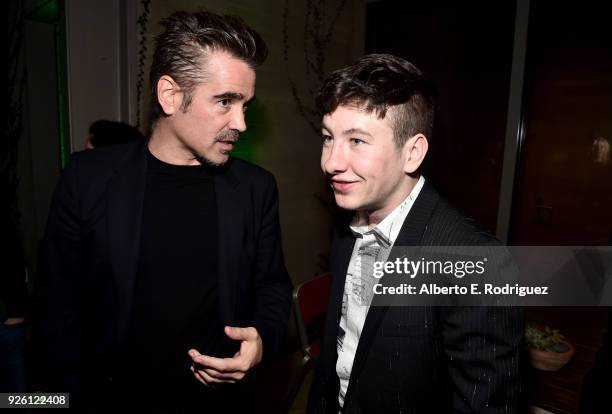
(273, 287)
(482, 346)
(56, 325)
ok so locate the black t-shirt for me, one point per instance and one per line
(175, 296)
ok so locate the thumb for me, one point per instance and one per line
(193, 353)
(238, 334)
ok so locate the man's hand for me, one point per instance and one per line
(211, 371)
(14, 321)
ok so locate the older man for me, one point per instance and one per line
(163, 278)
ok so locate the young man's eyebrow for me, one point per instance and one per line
(349, 131)
(352, 131)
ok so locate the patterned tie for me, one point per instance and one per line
(369, 253)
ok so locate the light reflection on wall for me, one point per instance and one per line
(601, 150)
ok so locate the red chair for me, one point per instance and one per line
(310, 300)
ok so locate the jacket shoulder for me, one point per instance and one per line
(246, 171)
(92, 169)
(449, 225)
(105, 158)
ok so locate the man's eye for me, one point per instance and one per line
(225, 102)
(357, 141)
(327, 139)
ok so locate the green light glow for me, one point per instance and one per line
(250, 145)
(62, 82)
(44, 11)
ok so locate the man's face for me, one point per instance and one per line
(362, 162)
(210, 126)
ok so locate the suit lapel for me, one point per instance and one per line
(341, 255)
(230, 233)
(125, 201)
(410, 234)
(414, 226)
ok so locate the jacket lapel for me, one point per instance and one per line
(125, 201)
(410, 234)
(341, 256)
(230, 233)
(125, 205)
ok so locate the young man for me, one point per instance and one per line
(163, 278)
(377, 118)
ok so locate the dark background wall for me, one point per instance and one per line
(466, 48)
(565, 183)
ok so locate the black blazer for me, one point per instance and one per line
(83, 296)
(423, 359)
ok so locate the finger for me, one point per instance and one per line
(240, 334)
(211, 380)
(198, 377)
(193, 353)
(231, 376)
(226, 365)
(203, 377)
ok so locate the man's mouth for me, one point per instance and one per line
(341, 185)
(228, 140)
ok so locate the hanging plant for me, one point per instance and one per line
(317, 37)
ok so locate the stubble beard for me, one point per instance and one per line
(231, 135)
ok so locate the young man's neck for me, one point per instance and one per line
(371, 218)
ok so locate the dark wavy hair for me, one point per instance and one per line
(181, 50)
(379, 82)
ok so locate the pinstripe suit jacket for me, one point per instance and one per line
(423, 359)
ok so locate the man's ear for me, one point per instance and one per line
(415, 150)
(169, 95)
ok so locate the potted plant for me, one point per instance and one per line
(548, 349)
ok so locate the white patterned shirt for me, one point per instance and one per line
(370, 245)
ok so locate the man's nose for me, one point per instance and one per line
(333, 159)
(238, 121)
